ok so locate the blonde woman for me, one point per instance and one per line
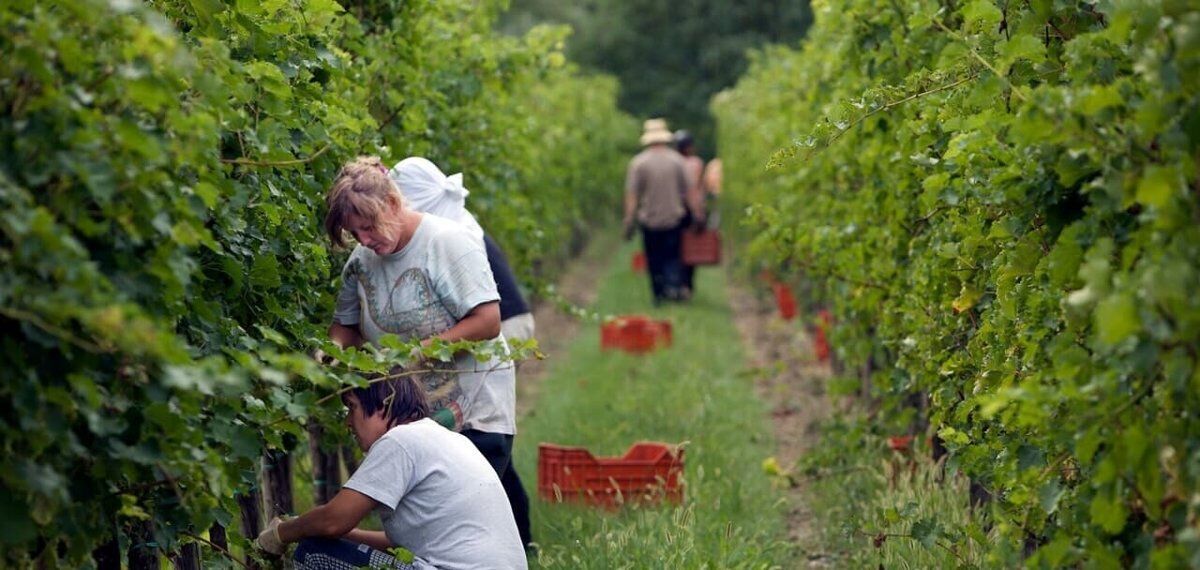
(420, 276)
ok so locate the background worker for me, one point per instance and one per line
(685, 144)
(655, 185)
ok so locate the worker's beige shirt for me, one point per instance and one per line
(658, 178)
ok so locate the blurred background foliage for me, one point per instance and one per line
(670, 57)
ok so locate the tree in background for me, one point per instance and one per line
(671, 57)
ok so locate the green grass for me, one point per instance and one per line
(693, 392)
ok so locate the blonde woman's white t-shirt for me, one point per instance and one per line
(421, 291)
(440, 499)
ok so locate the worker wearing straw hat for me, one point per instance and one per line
(655, 186)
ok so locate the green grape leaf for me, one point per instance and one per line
(1116, 318)
(1108, 512)
(264, 272)
(926, 531)
(981, 14)
(1157, 186)
(1022, 46)
(16, 526)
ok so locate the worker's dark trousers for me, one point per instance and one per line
(497, 449)
(663, 261)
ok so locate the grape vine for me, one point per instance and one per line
(162, 173)
(1000, 201)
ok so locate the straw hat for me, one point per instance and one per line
(655, 131)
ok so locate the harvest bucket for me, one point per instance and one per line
(701, 248)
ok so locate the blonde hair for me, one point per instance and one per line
(362, 188)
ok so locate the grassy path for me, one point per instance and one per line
(697, 391)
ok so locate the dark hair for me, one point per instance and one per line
(401, 400)
(683, 140)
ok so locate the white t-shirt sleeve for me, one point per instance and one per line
(386, 473)
(347, 311)
(465, 281)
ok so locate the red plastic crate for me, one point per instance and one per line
(635, 333)
(784, 300)
(901, 443)
(820, 340)
(648, 472)
(638, 262)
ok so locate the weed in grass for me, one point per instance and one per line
(881, 508)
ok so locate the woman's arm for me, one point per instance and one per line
(345, 336)
(331, 520)
(374, 538)
(481, 323)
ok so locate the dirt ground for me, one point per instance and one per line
(791, 380)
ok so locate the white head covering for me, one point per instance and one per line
(428, 190)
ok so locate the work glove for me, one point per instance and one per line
(629, 227)
(416, 357)
(268, 540)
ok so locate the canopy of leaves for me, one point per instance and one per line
(670, 57)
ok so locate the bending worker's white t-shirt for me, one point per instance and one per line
(422, 290)
(440, 499)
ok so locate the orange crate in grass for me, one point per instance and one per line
(648, 472)
(635, 333)
(638, 263)
(784, 300)
(820, 338)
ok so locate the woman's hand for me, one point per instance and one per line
(331, 520)
(268, 540)
(416, 356)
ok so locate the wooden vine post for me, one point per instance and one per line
(251, 520)
(188, 557)
(326, 474)
(348, 459)
(108, 555)
(216, 535)
(143, 554)
(277, 476)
